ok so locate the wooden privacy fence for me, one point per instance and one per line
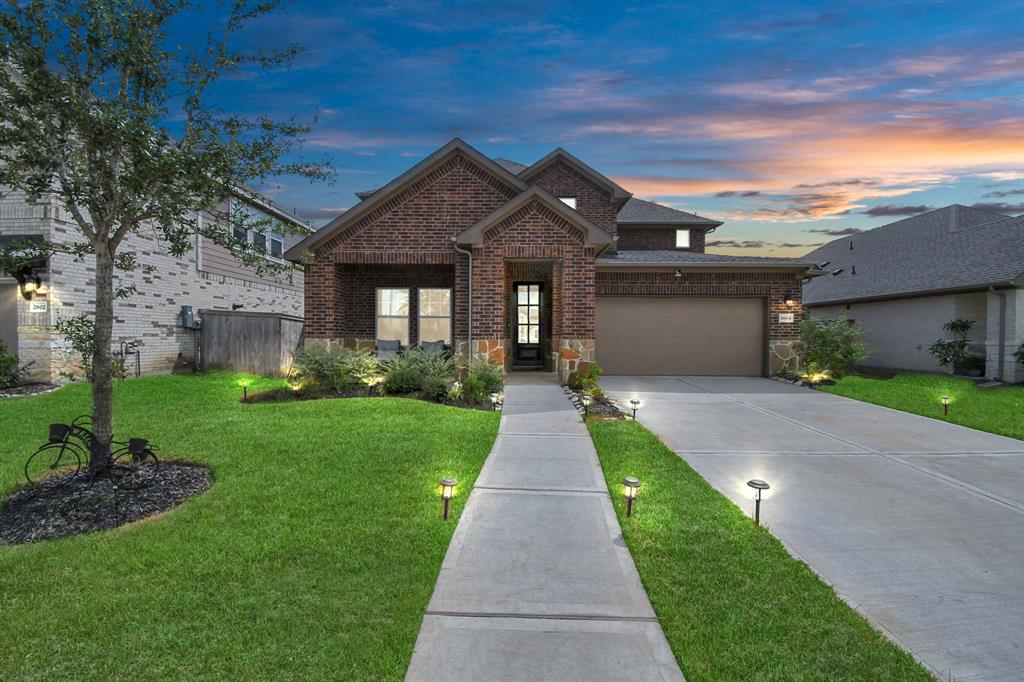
(257, 343)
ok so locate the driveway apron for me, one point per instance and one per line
(917, 523)
(537, 583)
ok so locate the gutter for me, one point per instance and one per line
(469, 299)
(911, 294)
(731, 265)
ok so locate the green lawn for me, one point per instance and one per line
(313, 556)
(998, 410)
(733, 603)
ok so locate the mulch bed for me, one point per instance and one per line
(277, 395)
(601, 408)
(52, 510)
(32, 388)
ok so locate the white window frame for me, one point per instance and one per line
(679, 233)
(377, 316)
(274, 234)
(450, 316)
(568, 201)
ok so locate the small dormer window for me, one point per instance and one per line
(682, 239)
(568, 201)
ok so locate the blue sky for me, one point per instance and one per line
(791, 121)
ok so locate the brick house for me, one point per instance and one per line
(207, 277)
(547, 266)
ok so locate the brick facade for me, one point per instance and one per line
(649, 238)
(406, 239)
(151, 316)
(592, 202)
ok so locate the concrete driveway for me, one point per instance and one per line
(917, 523)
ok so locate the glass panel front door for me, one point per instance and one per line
(528, 332)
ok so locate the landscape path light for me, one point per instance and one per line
(245, 390)
(758, 485)
(945, 404)
(635, 404)
(586, 400)
(496, 401)
(631, 487)
(447, 493)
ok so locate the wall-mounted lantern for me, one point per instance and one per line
(790, 299)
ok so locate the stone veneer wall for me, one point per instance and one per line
(150, 317)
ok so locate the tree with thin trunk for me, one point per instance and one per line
(100, 109)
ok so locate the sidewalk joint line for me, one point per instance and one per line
(542, 616)
(541, 490)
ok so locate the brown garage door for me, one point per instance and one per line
(679, 335)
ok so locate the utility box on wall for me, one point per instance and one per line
(257, 343)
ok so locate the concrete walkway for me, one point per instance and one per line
(537, 583)
(917, 523)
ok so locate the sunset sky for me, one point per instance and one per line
(793, 122)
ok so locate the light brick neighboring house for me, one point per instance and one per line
(206, 277)
(550, 266)
(903, 281)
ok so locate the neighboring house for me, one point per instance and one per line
(547, 266)
(207, 277)
(903, 281)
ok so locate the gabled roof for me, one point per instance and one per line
(251, 197)
(594, 234)
(559, 154)
(955, 248)
(513, 167)
(640, 212)
(695, 259)
(295, 254)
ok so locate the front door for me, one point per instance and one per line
(527, 331)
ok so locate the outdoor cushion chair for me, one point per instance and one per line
(387, 349)
(429, 346)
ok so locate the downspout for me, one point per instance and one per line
(1002, 332)
(469, 301)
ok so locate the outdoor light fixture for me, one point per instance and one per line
(945, 404)
(630, 486)
(245, 390)
(678, 274)
(586, 400)
(447, 493)
(790, 299)
(496, 401)
(635, 403)
(758, 485)
(30, 284)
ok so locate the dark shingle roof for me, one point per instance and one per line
(648, 212)
(684, 257)
(951, 248)
(511, 166)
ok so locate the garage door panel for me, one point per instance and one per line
(680, 335)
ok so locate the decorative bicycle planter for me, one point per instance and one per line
(61, 459)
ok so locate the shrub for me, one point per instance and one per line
(80, 332)
(952, 352)
(474, 391)
(402, 374)
(587, 381)
(8, 368)
(488, 374)
(415, 370)
(336, 369)
(830, 346)
(455, 391)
